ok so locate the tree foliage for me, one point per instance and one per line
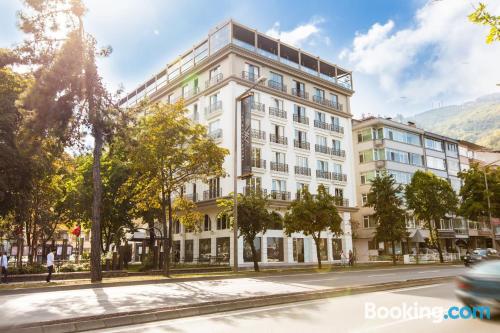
(483, 17)
(313, 215)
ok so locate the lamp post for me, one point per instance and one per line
(493, 236)
(246, 94)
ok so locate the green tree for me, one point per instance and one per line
(483, 17)
(254, 217)
(312, 215)
(170, 151)
(385, 198)
(431, 198)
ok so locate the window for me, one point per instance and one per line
(397, 156)
(336, 145)
(299, 86)
(302, 162)
(196, 115)
(256, 124)
(401, 136)
(279, 131)
(322, 165)
(185, 90)
(321, 140)
(214, 126)
(433, 144)
(401, 177)
(416, 159)
(256, 153)
(254, 183)
(277, 78)
(451, 147)
(335, 121)
(320, 116)
(334, 98)
(205, 248)
(366, 156)
(214, 72)
(279, 157)
(339, 193)
(214, 98)
(367, 177)
(177, 227)
(279, 185)
(252, 71)
(275, 249)
(277, 103)
(319, 93)
(222, 222)
(372, 244)
(453, 165)
(364, 199)
(301, 136)
(337, 168)
(436, 163)
(247, 250)
(302, 186)
(207, 224)
(300, 111)
(365, 135)
(369, 222)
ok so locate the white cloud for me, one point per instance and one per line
(309, 33)
(441, 57)
(156, 32)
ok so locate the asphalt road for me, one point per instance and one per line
(57, 305)
(339, 314)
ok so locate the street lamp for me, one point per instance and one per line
(246, 94)
(493, 236)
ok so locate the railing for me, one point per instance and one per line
(280, 195)
(276, 85)
(275, 112)
(340, 153)
(191, 93)
(212, 194)
(258, 106)
(258, 163)
(192, 196)
(217, 106)
(249, 76)
(301, 119)
(340, 201)
(255, 189)
(216, 79)
(302, 171)
(342, 177)
(280, 167)
(282, 140)
(258, 134)
(323, 174)
(301, 144)
(216, 134)
(322, 125)
(326, 102)
(322, 149)
(300, 93)
(337, 128)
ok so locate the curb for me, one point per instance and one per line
(168, 313)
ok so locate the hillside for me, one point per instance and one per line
(477, 121)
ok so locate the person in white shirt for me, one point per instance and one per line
(4, 263)
(50, 263)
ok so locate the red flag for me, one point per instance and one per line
(77, 231)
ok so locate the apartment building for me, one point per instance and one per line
(301, 135)
(400, 149)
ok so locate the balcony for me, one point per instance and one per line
(192, 196)
(282, 140)
(247, 190)
(322, 149)
(249, 76)
(300, 93)
(301, 144)
(275, 112)
(339, 153)
(340, 201)
(337, 128)
(323, 174)
(279, 167)
(258, 134)
(303, 171)
(216, 134)
(191, 93)
(213, 108)
(212, 194)
(322, 125)
(256, 106)
(280, 195)
(341, 177)
(214, 80)
(276, 85)
(300, 119)
(326, 102)
(258, 163)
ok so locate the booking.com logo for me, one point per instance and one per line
(436, 313)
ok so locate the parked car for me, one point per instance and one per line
(479, 255)
(481, 286)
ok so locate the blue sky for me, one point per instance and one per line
(406, 55)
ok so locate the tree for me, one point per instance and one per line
(483, 17)
(384, 197)
(169, 152)
(312, 215)
(254, 217)
(431, 198)
(473, 194)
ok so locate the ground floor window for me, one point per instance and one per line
(372, 244)
(275, 249)
(222, 248)
(323, 252)
(205, 249)
(188, 250)
(247, 251)
(298, 249)
(176, 250)
(336, 248)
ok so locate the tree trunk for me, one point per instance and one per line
(254, 256)
(166, 257)
(393, 252)
(169, 239)
(152, 236)
(435, 240)
(95, 245)
(317, 240)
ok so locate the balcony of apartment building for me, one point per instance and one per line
(329, 151)
(279, 86)
(328, 103)
(301, 119)
(216, 134)
(247, 190)
(212, 193)
(279, 167)
(190, 93)
(281, 140)
(258, 163)
(191, 196)
(277, 113)
(445, 229)
(328, 127)
(322, 174)
(280, 195)
(258, 135)
(213, 109)
(301, 144)
(214, 80)
(258, 108)
(300, 93)
(302, 171)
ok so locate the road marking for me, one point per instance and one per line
(374, 275)
(423, 272)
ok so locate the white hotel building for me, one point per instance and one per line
(301, 136)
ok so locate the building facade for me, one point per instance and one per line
(400, 149)
(300, 128)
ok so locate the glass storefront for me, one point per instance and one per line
(323, 249)
(205, 249)
(275, 249)
(298, 249)
(247, 250)
(336, 248)
(222, 248)
(188, 250)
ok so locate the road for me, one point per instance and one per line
(339, 314)
(58, 305)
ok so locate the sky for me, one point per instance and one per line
(406, 56)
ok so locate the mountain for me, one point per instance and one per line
(477, 121)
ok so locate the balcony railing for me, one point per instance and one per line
(216, 134)
(258, 134)
(258, 106)
(280, 167)
(337, 128)
(247, 190)
(341, 177)
(192, 196)
(280, 195)
(323, 174)
(322, 125)
(322, 149)
(276, 85)
(191, 93)
(340, 201)
(275, 112)
(326, 102)
(300, 119)
(300, 93)
(212, 194)
(301, 144)
(336, 152)
(258, 163)
(249, 76)
(217, 106)
(302, 171)
(214, 80)
(282, 140)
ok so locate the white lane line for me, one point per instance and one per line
(423, 272)
(374, 275)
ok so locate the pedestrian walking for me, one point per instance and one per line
(343, 258)
(4, 263)
(50, 263)
(351, 258)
